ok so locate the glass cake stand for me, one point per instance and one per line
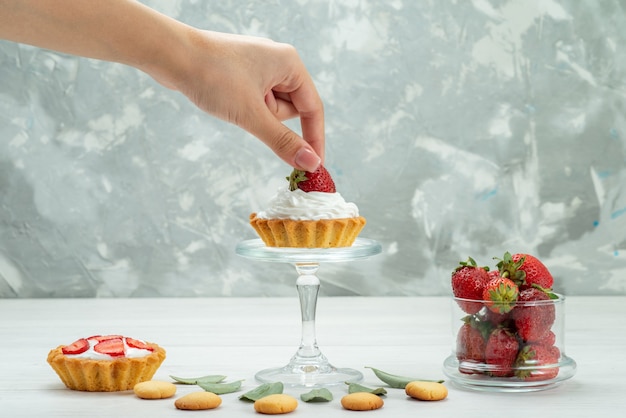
(308, 367)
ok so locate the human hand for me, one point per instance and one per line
(252, 82)
(255, 84)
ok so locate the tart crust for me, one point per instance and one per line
(323, 233)
(105, 375)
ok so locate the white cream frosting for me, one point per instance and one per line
(129, 352)
(299, 205)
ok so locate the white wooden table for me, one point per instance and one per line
(239, 336)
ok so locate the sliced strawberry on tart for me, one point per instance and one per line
(106, 363)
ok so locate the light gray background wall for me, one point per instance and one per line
(458, 127)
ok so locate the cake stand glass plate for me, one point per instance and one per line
(256, 249)
(308, 367)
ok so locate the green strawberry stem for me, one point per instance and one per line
(296, 177)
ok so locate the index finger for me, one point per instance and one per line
(310, 108)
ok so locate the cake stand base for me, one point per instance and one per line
(308, 367)
(310, 376)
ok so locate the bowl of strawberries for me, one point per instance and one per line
(508, 327)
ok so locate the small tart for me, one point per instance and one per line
(116, 374)
(323, 233)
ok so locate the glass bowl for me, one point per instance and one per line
(521, 350)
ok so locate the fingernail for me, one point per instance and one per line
(307, 160)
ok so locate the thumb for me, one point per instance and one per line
(285, 143)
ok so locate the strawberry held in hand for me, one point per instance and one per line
(317, 181)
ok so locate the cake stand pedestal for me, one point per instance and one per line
(308, 367)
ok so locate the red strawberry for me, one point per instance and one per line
(101, 338)
(468, 282)
(494, 274)
(534, 362)
(470, 346)
(138, 344)
(317, 181)
(500, 352)
(492, 317)
(113, 347)
(500, 295)
(534, 314)
(548, 339)
(495, 318)
(79, 346)
(525, 270)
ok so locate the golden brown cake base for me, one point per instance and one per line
(105, 375)
(323, 233)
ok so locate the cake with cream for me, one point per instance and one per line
(106, 363)
(309, 213)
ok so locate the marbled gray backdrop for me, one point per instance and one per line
(458, 127)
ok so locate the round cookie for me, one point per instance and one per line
(361, 401)
(196, 401)
(426, 391)
(278, 403)
(154, 389)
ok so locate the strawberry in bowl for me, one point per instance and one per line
(507, 327)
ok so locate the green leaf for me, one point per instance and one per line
(214, 378)
(395, 381)
(221, 388)
(317, 395)
(263, 390)
(355, 387)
